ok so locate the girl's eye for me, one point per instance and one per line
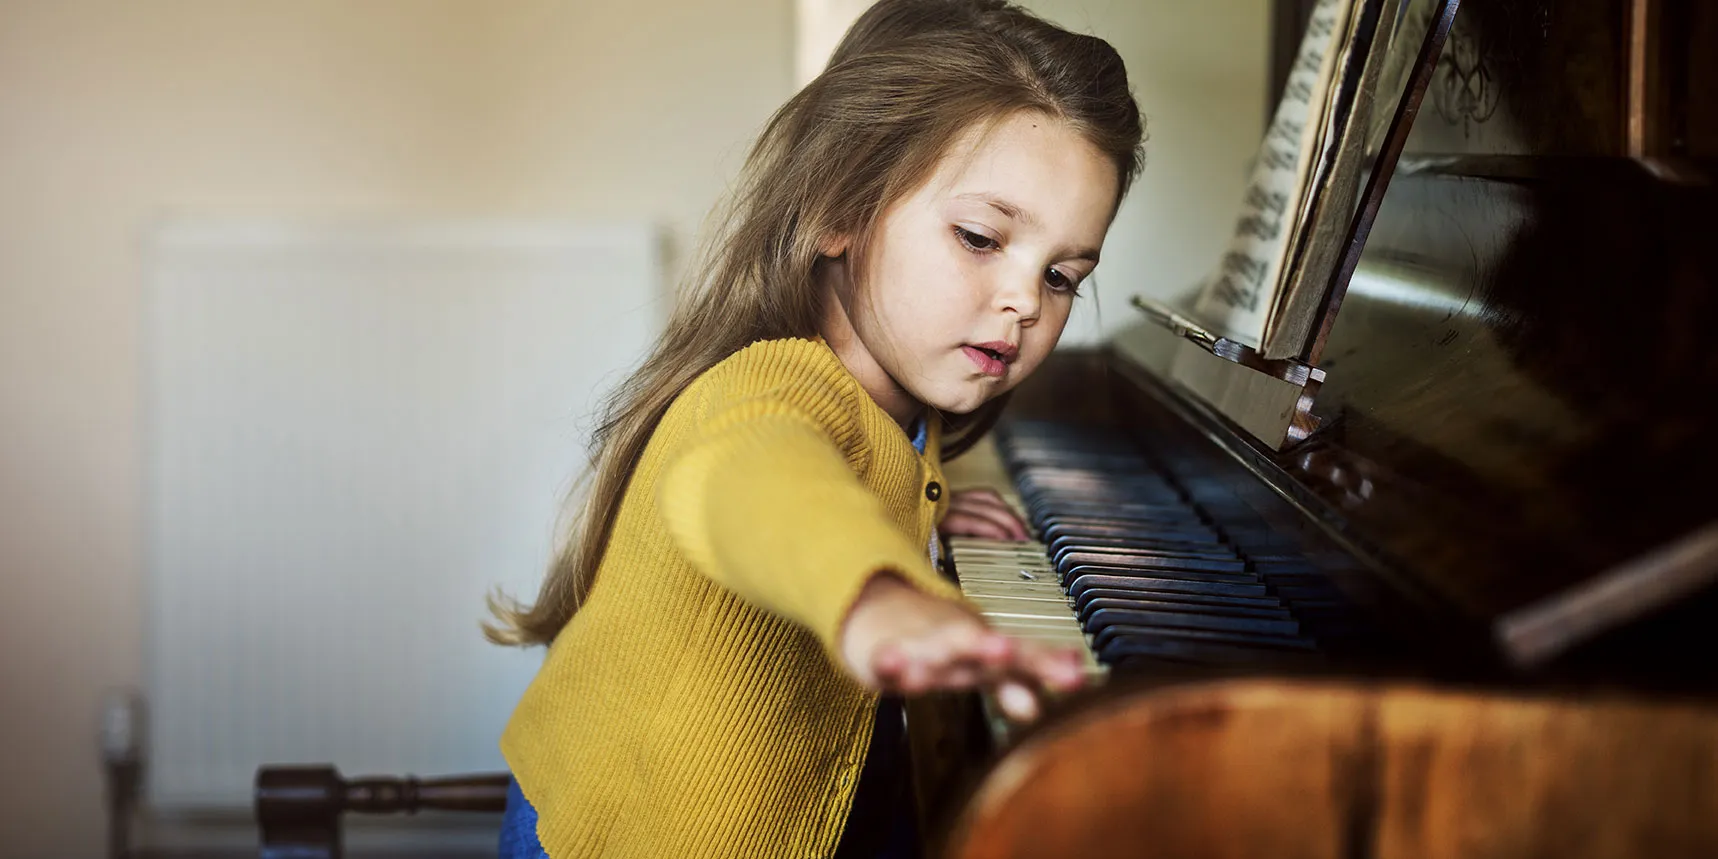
(981, 243)
(976, 241)
(1060, 282)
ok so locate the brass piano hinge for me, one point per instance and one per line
(1301, 422)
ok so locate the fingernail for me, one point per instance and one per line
(1017, 702)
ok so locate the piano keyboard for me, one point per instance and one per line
(1128, 567)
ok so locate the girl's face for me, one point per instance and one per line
(970, 278)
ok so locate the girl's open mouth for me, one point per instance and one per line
(990, 361)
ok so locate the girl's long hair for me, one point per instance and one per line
(907, 79)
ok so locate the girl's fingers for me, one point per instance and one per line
(959, 676)
(993, 647)
(968, 656)
(983, 522)
(975, 646)
(1002, 518)
(988, 659)
(1057, 670)
(985, 495)
(931, 656)
(887, 665)
(961, 657)
(962, 523)
(1012, 671)
(989, 505)
(915, 678)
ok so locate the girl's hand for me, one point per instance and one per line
(898, 639)
(981, 513)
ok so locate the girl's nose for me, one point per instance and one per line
(1020, 293)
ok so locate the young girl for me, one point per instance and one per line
(751, 567)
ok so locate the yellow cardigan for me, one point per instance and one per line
(694, 705)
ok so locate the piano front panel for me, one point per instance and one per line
(1523, 368)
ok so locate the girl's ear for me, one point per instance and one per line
(833, 246)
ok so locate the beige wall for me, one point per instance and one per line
(115, 114)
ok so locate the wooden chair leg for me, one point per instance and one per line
(298, 808)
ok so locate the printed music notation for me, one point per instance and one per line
(1238, 298)
(1268, 287)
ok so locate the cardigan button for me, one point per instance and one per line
(933, 490)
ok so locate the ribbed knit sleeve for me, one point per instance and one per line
(764, 498)
(696, 705)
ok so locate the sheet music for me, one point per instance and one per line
(1237, 299)
(1316, 247)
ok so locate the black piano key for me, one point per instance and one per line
(1125, 539)
(1117, 473)
(1088, 454)
(1078, 585)
(1140, 541)
(1145, 560)
(1066, 548)
(1181, 540)
(1137, 497)
(1177, 620)
(1088, 595)
(1120, 520)
(1120, 652)
(1097, 506)
(1185, 530)
(1168, 603)
(1107, 636)
(1102, 500)
(1100, 507)
(1161, 527)
(1146, 570)
(1107, 504)
(1188, 531)
(1137, 489)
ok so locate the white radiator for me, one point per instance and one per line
(353, 433)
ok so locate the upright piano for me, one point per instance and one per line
(1505, 485)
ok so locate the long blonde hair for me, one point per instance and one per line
(907, 79)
